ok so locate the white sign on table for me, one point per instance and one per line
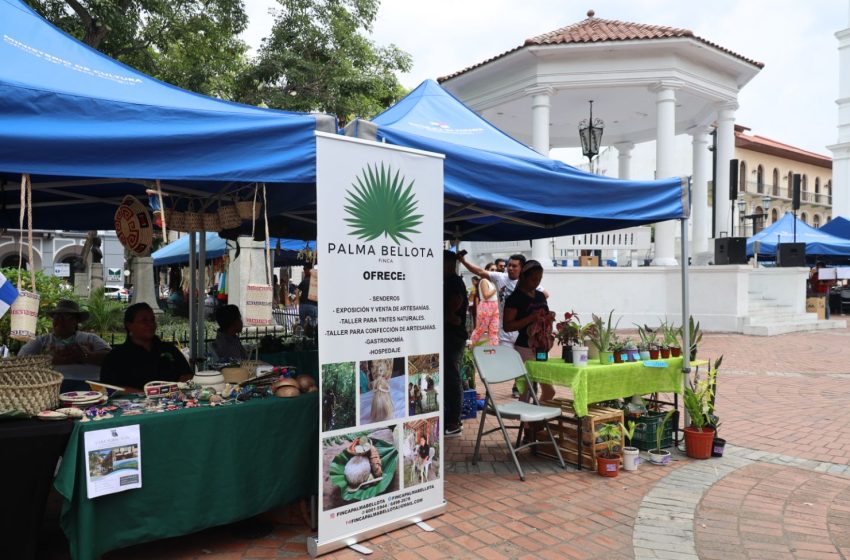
(62, 270)
(380, 220)
(113, 460)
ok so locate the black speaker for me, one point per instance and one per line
(733, 179)
(730, 250)
(795, 199)
(791, 254)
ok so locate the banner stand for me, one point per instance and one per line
(382, 373)
(317, 549)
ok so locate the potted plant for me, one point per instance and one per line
(695, 337)
(608, 462)
(719, 444)
(631, 349)
(568, 333)
(660, 456)
(601, 335)
(648, 339)
(617, 348)
(671, 333)
(699, 403)
(631, 455)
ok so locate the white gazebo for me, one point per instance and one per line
(647, 82)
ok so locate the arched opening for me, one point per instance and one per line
(774, 216)
(758, 223)
(804, 188)
(72, 255)
(829, 192)
(790, 184)
(11, 261)
(760, 179)
(775, 181)
(804, 218)
(742, 177)
(815, 221)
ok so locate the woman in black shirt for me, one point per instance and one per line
(524, 306)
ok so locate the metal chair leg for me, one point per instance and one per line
(487, 401)
(555, 445)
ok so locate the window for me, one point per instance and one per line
(775, 182)
(774, 216)
(828, 219)
(742, 177)
(790, 184)
(816, 221)
(804, 218)
(760, 179)
(804, 189)
(817, 185)
(758, 224)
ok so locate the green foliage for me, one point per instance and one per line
(699, 398)
(610, 435)
(669, 333)
(659, 430)
(193, 44)
(648, 336)
(49, 288)
(629, 431)
(340, 380)
(105, 315)
(381, 205)
(602, 334)
(318, 58)
(694, 336)
(467, 367)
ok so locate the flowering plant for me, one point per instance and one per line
(569, 331)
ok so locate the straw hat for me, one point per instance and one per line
(71, 307)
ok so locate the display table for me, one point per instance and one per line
(201, 467)
(597, 382)
(30, 450)
(306, 361)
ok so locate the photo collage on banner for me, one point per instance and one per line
(380, 220)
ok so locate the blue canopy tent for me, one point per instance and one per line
(177, 252)
(838, 226)
(818, 242)
(90, 130)
(498, 189)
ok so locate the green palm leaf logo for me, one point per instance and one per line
(380, 204)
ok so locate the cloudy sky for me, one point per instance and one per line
(792, 100)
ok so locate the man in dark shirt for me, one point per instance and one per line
(455, 304)
(306, 306)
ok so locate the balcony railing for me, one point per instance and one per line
(782, 192)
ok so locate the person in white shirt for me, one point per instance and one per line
(76, 355)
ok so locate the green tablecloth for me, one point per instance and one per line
(307, 361)
(597, 382)
(201, 467)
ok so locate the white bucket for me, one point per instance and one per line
(631, 458)
(579, 356)
(24, 316)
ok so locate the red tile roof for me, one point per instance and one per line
(595, 30)
(767, 146)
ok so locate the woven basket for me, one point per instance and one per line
(228, 217)
(16, 364)
(133, 226)
(211, 222)
(175, 220)
(194, 219)
(27, 389)
(245, 208)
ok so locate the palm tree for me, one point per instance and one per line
(105, 315)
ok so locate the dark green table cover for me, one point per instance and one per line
(201, 468)
(307, 361)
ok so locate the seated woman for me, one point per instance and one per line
(143, 357)
(227, 343)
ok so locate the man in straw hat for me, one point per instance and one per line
(76, 355)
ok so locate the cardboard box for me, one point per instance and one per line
(816, 305)
(588, 261)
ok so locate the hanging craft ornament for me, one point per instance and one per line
(259, 300)
(24, 311)
(134, 227)
(162, 212)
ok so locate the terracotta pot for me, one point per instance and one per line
(665, 353)
(698, 444)
(653, 354)
(609, 467)
(675, 351)
(618, 358)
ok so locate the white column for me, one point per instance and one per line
(540, 104)
(665, 124)
(725, 152)
(699, 191)
(841, 150)
(624, 159)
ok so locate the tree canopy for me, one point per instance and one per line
(318, 58)
(193, 44)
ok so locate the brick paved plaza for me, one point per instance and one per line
(781, 491)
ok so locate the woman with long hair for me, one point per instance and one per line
(488, 310)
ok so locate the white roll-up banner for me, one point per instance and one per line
(379, 247)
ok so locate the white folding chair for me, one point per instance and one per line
(498, 364)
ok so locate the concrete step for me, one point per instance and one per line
(798, 318)
(784, 328)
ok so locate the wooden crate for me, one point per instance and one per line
(565, 430)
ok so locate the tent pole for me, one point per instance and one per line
(686, 313)
(193, 342)
(202, 270)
